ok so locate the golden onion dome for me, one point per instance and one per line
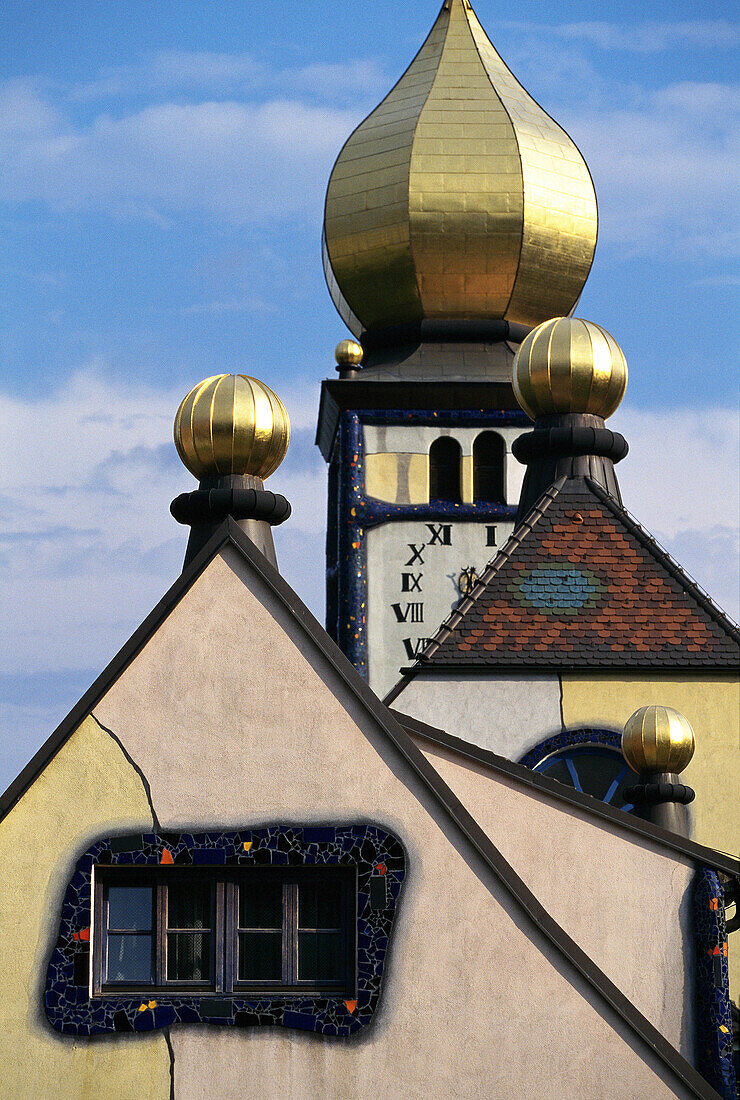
(458, 197)
(567, 365)
(232, 424)
(657, 739)
(348, 353)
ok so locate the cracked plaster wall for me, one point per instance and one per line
(235, 718)
(87, 790)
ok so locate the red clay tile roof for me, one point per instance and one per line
(581, 584)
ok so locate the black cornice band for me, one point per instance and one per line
(571, 440)
(444, 332)
(214, 505)
(652, 794)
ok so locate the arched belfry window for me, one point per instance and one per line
(444, 469)
(488, 467)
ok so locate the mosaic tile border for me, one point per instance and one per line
(569, 739)
(378, 856)
(713, 1012)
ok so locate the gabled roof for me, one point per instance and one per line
(581, 585)
(460, 821)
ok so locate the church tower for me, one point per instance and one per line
(458, 216)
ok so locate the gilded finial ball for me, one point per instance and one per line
(567, 365)
(232, 424)
(657, 739)
(348, 353)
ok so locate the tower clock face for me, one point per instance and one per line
(417, 572)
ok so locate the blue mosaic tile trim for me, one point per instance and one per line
(568, 740)
(377, 855)
(713, 1014)
(448, 418)
(352, 550)
(351, 513)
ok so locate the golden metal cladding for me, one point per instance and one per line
(232, 424)
(568, 365)
(348, 353)
(657, 739)
(458, 197)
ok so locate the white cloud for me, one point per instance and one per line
(87, 544)
(227, 74)
(680, 481)
(238, 160)
(646, 38)
(664, 165)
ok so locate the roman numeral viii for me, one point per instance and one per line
(411, 613)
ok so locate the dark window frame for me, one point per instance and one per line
(489, 468)
(224, 930)
(445, 470)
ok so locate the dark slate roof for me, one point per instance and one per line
(581, 584)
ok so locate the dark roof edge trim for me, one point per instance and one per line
(565, 665)
(698, 853)
(672, 567)
(230, 532)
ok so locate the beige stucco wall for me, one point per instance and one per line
(712, 705)
(636, 925)
(504, 713)
(235, 717)
(89, 789)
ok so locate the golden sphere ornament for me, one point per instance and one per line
(232, 424)
(657, 739)
(348, 353)
(567, 365)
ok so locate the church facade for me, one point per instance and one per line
(443, 847)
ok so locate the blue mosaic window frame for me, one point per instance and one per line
(380, 864)
(713, 1005)
(568, 745)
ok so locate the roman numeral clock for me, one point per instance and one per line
(420, 500)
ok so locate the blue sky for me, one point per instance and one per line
(163, 174)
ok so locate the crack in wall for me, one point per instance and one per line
(135, 766)
(562, 710)
(171, 1050)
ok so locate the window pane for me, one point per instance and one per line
(130, 907)
(488, 467)
(189, 905)
(320, 956)
(320, 905)
(188, 957)
(597, 771)
(260, 956)
(130, 959)
(261, 905)
(444, 469)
